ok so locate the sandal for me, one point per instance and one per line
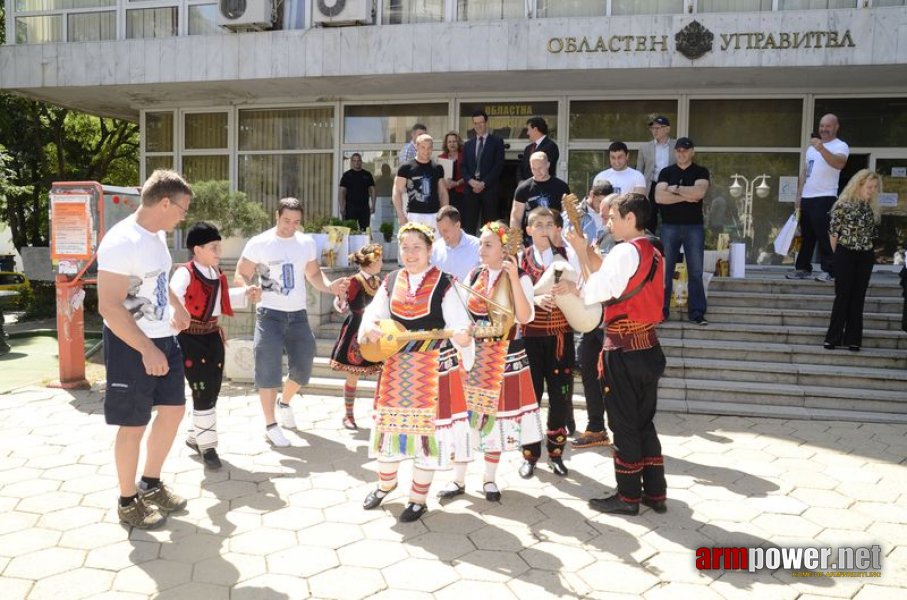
(350, 423)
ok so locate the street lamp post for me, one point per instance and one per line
(746, 190)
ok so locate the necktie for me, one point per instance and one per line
(481, 148)
(532, 148)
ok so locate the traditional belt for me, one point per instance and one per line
(630, 335)
(202, 327)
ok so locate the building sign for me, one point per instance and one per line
(695, 41)
(70, 226)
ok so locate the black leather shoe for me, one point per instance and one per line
(557, 466)
(212, 460)
(658, 506)
(412, 512)
(492, 493)
(453, 490)
(527, 469)
(375, 498)
(614, 505)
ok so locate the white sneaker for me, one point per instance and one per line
(285, 415)
(275, 436)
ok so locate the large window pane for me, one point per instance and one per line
(383, 166)
(159, 132)
(151, 22)
(733, 5)
(586, 164)
(624, 120)
(41, 5)
(203, 20)
(868, 122)
(768, 213)
(876, 3)
(91, 27)
(206, 131)
(206, 168)
(893, 228)
(647, 7)
(572, 8)
(290, 129)
(157, 162)
(38, 30)
(268, 178)
(508, 119)
(806, 4)
(490, 10)
(748, 123)
(391, 123)
(412, 11)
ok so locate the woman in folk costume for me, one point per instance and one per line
(420, 410)
(503, 411)
(345, 356)
(202, 288)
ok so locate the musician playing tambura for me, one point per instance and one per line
(503, 411)
(420, 409)
(630, 281)
(549, 342)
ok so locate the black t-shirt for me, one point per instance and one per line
(357, 184)
(682, 213)
(546, 193)
(422, 186)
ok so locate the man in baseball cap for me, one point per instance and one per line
(652, 158)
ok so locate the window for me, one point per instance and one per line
(91, 27)
(391, 123)
(151, 22)
(205, 131)
(157, 139)
(868, 122)
(39, 30)
(490, 10)
(205, 151)
(287, 129)
(767, 123)
(733, 5)
(624, 120)
(508, 119)
(807, 4)
(397, 12)
(48, 5)
(647, 7)
(572, 8)
(203, 20)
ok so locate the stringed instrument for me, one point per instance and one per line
(394, 336)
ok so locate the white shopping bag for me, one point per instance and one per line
(786, 236)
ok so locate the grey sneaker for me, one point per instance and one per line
(799, 274)
(139, 515)
(824, 277)
(162, 497)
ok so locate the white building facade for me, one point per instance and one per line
(279, 111)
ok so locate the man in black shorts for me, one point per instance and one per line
(143, 358)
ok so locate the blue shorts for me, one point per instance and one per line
(132, 392)
(276, 332)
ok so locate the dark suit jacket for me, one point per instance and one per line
(549, 147)
(491, 167)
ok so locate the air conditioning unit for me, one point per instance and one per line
(244, 14)
(329, 13)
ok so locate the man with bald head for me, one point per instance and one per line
(816, 193)
(542, 189)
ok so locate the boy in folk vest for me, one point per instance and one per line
(630, 281)
(202, 288)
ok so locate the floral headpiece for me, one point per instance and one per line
(420, 227)
(372, 252)
(499, 229)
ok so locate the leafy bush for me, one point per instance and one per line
(232, 211)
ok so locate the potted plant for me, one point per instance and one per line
(235, 215)
(313, 228)
(390, 248)
(336, 252)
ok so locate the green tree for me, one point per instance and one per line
(232, 211)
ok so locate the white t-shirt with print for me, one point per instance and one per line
(131, 250)
(280, 264)
(821, 177)
(624, 181)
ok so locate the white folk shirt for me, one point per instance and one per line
(280, 264)
(821, 177)
(525, 283)
(131, 250)
(179, 283)
(612, 277)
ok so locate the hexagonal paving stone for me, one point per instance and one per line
(838, 517)
(229, 568)
(347, 583)
(678, 567)
(441, 546)
(197, 591)
(115, 557)
(401, 595)
(27, 540)
(71, 518)
(72, 585)
(485, 565)
(32, 487)
(194, 548)
(302, 561)
(95, 536)
(787, 525)
(263, 541)
(316, 498)
(293, 518)
(735, 585)
(153, 576)
(539, 583)
(476, 589)
(11, 522)
(372, 553)
(612, 576)
(14, 588)
(330, 535)
(269, 587)
(672, 591)
(44, 563)
(419, 574)
(553, 556)
(510, 538)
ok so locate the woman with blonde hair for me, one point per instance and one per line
(854, 224)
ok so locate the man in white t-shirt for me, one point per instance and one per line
(456, 252)
(623, 178)
(283, 258)
(817, 192)
(141, 353)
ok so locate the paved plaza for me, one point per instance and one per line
(287, 523)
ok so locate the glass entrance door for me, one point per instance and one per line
(893, 228)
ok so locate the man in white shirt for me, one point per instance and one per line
(456, 252)
(141, 354)
(817, 192)
(283, 258)
(621, 176)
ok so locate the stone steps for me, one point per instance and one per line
(874, 304)
(790, 317)
(783, 334)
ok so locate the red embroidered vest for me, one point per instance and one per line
(202, 294)
(646, 306)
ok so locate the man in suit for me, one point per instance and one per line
(483, 161)
(537, 129)
(653, 157)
